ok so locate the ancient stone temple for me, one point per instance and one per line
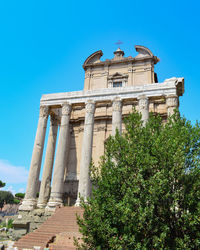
(81, 121)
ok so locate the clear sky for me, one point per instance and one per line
(43, 44)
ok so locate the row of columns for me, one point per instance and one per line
(84, 188)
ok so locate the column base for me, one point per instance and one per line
(41, 204)
(52, 204)
(78, 203)
(28, 205)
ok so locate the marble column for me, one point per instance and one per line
(117, 116)
(45, 186)
(172, 104)
(84, 186)
(56, 197)
(29, 201)
(143, 104)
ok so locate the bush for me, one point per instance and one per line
(2, 184)
(8, 225)
(6, 197)
(147, 193)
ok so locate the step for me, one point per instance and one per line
(62, 248)
(64, 220)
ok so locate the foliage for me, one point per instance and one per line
(147, 193)
(20, 195)
(16, 201)
(2, 184)
(8, 224)
(6, 197)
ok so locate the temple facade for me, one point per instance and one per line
(81, 121)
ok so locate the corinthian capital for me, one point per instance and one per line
(143, 102)
(66, 108)
(44, 111)
(90, 107)
(117, 104)
(172, 101)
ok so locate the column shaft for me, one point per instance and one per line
(48, 163)
(172, 104)
(84, 187)
(117, 116)
(56, 197)
(29, 201)
(144, 108)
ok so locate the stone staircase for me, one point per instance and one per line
(56, 233)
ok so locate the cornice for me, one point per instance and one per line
(129, 59)
(173, 86)
(144, 54)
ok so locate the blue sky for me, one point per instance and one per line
(43, 45)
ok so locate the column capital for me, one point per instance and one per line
(66, 108)
(90, 106)
(143, 102)
(117, 104)
(44, 111)
(172, 101)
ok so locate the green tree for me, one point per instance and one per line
(6, 197)
(147, 193)
(20, 195)
(16, 201)
(2, 184)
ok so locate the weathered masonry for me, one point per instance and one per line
(81, 121)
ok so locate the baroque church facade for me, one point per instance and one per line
(81, 121)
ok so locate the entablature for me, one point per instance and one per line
(173, 86)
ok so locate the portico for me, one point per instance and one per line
(81, 121)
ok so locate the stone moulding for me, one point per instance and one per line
(144, 54)
(95, 57)
(168, 87)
